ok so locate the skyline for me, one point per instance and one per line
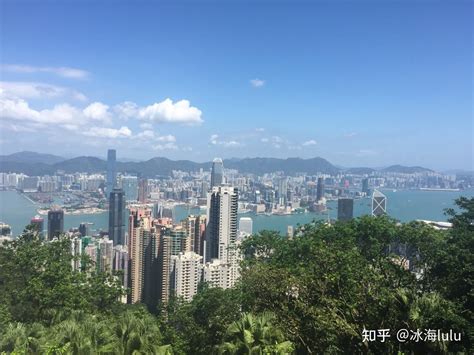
(359, 85)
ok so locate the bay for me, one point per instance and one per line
(404, 205)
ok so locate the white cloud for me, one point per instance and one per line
(166, 146)
(102, 132)
(31, 90)
(167, 111)
(264, 140)
(260, 129)
(168, 138)
(231, 144)
(65, 72)
(127, 110)
(19, 109)
(257, 83)
(214, 140)
(147, 134)
(98, 111)
(309, 143)
(146, 126)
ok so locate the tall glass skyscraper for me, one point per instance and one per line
(345, 209)
(320, 189)
(111, 171)
(217, 172)
(117, 217)
(379, 203)
(55, 223)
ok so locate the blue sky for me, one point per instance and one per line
(366, 83)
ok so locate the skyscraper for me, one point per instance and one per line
(121, 262)
(365, 186)
(345, 209)
(111, 171)
(130, 187)
(282, 191)
(55, 223)
(221, 231)
(320, 189)
(106, 255)
(117, 217)
(142, 190)
(76, 251)
(186, 270)
(84, 229)
(38, 224)
(379, 203)
(217, 173)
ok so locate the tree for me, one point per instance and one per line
(37, 281)
(255, 334)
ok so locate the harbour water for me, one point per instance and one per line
(404, 205)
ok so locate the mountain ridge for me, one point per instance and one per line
(32, 163)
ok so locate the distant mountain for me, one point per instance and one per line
(359, 171)
(31, 158)
(82, 164)
(405, 169)
(42, 164)
(288, 166)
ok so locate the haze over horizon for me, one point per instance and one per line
(367, 84)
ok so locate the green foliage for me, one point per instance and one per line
(255, 335)
(313, 293)
(37, 281)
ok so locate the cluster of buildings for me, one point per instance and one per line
(154, 257)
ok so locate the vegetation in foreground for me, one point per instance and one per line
(314, 293)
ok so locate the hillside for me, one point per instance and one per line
(32, 164)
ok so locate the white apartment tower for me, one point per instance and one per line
(186, 270)
(221, 231)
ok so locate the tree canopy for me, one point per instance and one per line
(313, 293)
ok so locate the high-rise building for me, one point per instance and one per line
(345, 209)
(218, 274)
(195, 227)
(105, 255)
(55, 223)
(38, 224)
(379, 203)
(91, 251)
(186, 271)
(320, 189)
(84, 229)
(139, 229)
(142, 190)
(282, 191)
(217, 173)
(76, 251)
(130, 187)
(121, 260)
(111, 171)
(365, 186)
(117, 217)
(221, 230)
(246, 225)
